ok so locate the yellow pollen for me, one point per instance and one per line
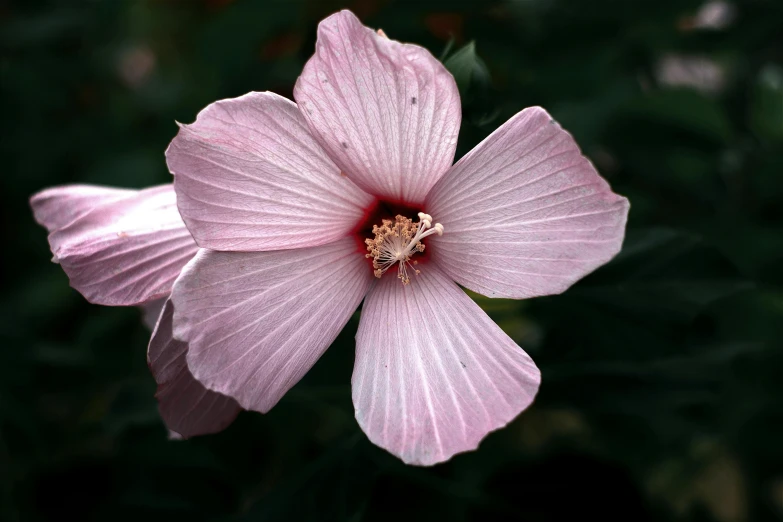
(396, 241)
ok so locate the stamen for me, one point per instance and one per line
(396, 241)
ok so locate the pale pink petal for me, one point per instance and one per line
(187, 408)
(249, 176)
(125, 252)
(524, 213)
(387, 113)
(57, 207)
(257, 321)
(434, 375)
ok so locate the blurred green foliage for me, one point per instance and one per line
(662, 396)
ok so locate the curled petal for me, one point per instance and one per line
(434, 375)
(525, 213)
(187, 408)
(256, 322)
(125, 252)
(387, 113)
(57, 207)
(249, 176)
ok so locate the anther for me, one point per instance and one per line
(396, 241)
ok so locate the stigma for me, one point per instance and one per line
(395, 242)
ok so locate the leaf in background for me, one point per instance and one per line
(665, 273)
(710, 478)
(330, 487)
(474, 83)
(681, 109)
(462, 65)
(766, 112)
(44, 28)
(446, 50)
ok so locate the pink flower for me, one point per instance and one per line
(125, 247)
(287, 201)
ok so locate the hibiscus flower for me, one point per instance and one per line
(302, 211)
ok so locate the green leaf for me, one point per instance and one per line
(664, 274)
(684, 110)
(766, 112)
(467, 68)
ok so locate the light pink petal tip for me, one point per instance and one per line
(387, 113)
(249, 176)
(525, 213)
(187, 408)
(257, 321)
(126, 251)
(57, 207)
(434, 374)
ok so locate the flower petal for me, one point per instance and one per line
(57, 207)
(125, 252)
(187, 408)
(249, 176)
(524, 213)
(434, 375)
(387, 113)
(257, 321)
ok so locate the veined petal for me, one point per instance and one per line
(257, 321)
(57, 207)
(125, 252)
(249, 176)
(525, 213)
(434, 375)
(387, 113)
(187, 408)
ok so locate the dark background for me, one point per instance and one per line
(662, 394)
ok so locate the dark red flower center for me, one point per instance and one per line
(390, 238)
